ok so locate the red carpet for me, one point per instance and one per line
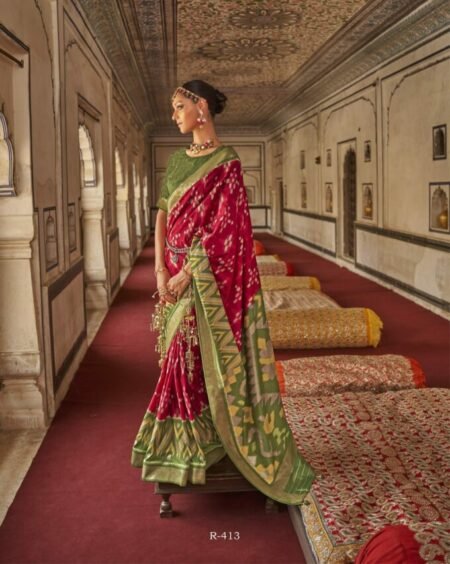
(82, 502)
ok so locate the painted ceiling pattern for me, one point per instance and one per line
(230, 32)
(262, 54)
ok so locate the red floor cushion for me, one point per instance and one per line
(394, 544)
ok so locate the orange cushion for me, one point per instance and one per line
(259, 248)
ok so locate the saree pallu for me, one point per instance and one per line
(231, 404)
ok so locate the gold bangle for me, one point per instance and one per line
(161, 269)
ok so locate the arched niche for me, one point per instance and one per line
(6, 160)
(87, 158)
(120, 178)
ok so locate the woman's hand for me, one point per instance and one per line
(178, 284)
(162, 278)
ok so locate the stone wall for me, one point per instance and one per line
(65, 223)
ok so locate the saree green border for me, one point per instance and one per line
(175, 316)
(243, 392)
(176, 450)
(220, 156)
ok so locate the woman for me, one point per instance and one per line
(217, 393)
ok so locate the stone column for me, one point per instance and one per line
(22, 404)
(123, 223)
(96, 285)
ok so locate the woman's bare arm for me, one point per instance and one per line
(162, 274)
(160, 238)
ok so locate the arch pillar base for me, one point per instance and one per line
(21, 404)
(96, 295)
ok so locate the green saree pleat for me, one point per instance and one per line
(243, 392)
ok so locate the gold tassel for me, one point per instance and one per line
(158, 324)
(188, 329)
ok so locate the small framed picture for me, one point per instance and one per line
(439, 200)
(302, 160)
(367, 151)
(329, 197)
(328, 157)
(367, 201)
(439, 142)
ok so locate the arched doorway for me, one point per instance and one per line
(349, 203)
(92, 217)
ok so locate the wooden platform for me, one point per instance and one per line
(222, 477)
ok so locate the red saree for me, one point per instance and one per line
(231, 403)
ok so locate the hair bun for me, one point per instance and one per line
(221, 101)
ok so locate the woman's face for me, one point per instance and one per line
(185, 113)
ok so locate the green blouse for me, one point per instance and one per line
(181, 166)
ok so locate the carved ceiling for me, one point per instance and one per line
(266, 56)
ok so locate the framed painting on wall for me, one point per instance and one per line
(439, 195)
(439, 142)
(367, 201)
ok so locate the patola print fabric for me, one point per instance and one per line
(231, 404)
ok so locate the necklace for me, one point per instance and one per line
(196, 148)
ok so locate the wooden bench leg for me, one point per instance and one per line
(273, 506)
(165, 509)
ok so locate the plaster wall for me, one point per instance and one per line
(426, 269)
(301, 150)
(415, 99)
(308, 229)
(393, 108)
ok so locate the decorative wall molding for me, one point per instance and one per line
(403, 79)
(405, 287)
(310, 214)
(422, 21)
(346, 104)
(406, 237)
(53, 291)
(310, 244)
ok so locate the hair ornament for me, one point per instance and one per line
(186, 94)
